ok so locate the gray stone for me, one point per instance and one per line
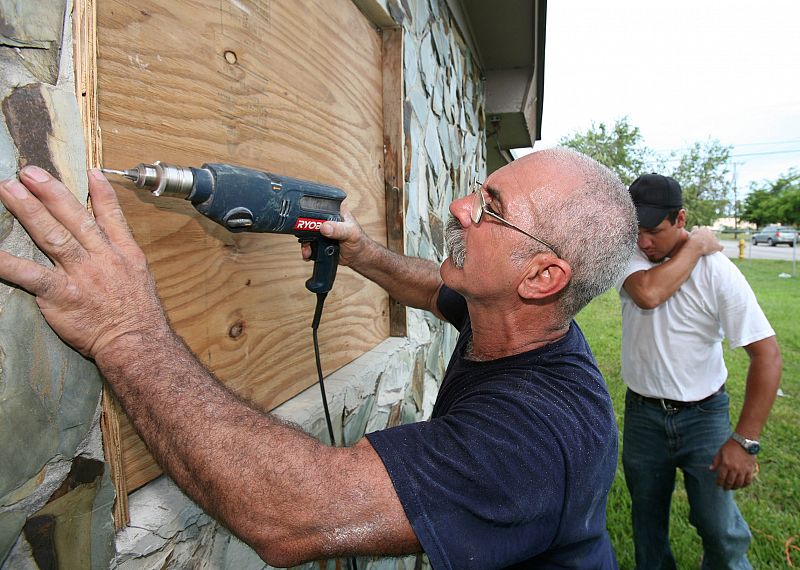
(422, 16)
(47, 405)
(441, 42)
(433, 148)
(425, 251)
(438, 99)
(420, 104)
(436, 10)
(444, 140)
(462, 118)
(452, 102)
(427, 63)
(103, 530)
(37, 27)
(356, 422)
(8, 155)
(410, 64)
(237, 554)
(10, 526)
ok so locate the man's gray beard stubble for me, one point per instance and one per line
(454, 239)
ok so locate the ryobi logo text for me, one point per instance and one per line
(308, 224)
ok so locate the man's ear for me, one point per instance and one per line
(680, 221)
(546, 276)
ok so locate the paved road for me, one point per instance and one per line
(761, 251)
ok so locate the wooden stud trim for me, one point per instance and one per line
(112, 447)
(393, 165)
(85, 51)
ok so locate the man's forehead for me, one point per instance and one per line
(665, 223)
(528, 176)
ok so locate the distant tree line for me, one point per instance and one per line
(703, 171)
(776, 201)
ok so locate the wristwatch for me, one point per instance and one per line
(751, 446)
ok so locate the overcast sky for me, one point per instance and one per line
(682, 71)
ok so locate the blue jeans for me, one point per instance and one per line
(656, 443)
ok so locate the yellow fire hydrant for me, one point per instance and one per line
(741, 249)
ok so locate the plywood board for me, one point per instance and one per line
(286, 86)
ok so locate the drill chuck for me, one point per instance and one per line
(160, 178)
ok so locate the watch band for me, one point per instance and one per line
(751, 446)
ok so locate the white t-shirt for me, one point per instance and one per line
(675, 350)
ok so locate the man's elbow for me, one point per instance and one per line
(283, 551)
(646, 300)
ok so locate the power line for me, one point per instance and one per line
(765, 153)
(796, 150)
(792, 141)
(766, 143)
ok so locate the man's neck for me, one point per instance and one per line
(496, 334)
(682, 239)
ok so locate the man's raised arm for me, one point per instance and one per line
(651, 287)
(290, 497)
(411, 281)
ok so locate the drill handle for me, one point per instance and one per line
(325, 254)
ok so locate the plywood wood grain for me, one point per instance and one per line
(292, 87)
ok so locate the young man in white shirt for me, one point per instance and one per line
(680, 298)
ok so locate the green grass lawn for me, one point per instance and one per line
(771, 505)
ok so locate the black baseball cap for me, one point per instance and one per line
(655, 196)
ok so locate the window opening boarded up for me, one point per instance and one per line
(293, 88)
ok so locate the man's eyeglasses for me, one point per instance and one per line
(479, 208)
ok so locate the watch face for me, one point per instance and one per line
(753, 448)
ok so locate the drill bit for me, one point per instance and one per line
(129, 174)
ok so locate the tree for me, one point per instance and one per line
(702, 170)
(621, 148)
(704, 176)
(776, 201)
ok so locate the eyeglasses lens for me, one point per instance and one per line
(477, 206)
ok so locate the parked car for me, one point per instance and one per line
(773, 235)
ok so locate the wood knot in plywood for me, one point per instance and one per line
(236, 329)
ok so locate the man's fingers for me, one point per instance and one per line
(51, 237)
(65, 210)
(106, 208)
(31, 276)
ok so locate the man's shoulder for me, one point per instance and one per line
(637, 262)
(719, 271)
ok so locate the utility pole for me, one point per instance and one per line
(735, 206)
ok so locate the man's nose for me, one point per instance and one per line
(643, 241)
(461, 209)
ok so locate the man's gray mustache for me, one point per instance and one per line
(454, 240)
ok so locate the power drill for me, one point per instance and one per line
(247, 200)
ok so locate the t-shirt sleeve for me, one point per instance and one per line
(476, 487)
(452, 306)
(638, 262)
(742, 319)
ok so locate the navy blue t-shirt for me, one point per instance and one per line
(514, 467)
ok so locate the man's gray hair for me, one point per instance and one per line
(594, 228)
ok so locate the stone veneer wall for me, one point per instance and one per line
(55, 492)
(395, 383)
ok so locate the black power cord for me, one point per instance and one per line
(314, 327)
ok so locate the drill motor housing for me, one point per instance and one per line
(249, 200)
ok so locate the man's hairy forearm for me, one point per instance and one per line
(187, 418)
(411, 281)
(274, 486)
